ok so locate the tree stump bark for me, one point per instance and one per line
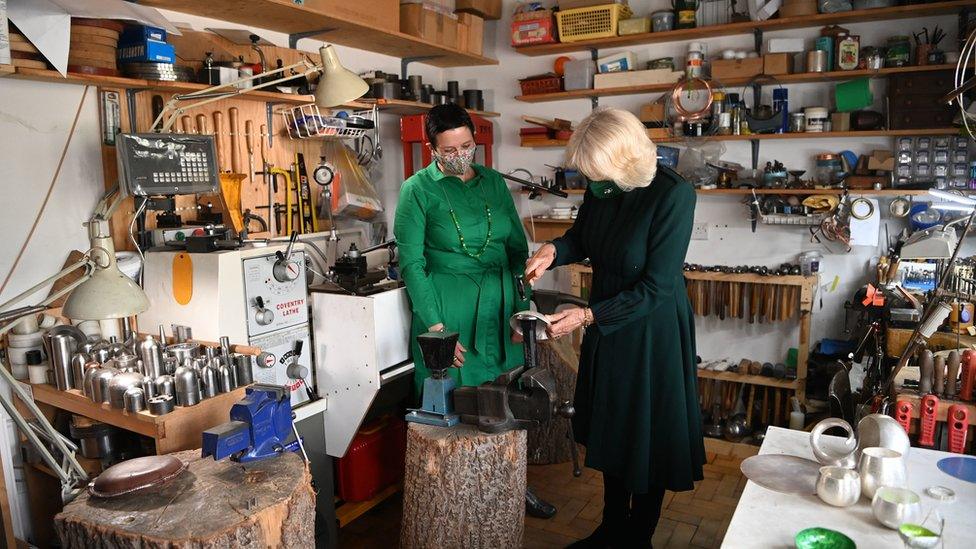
(550, 443)
(269, 503)
(463, 488)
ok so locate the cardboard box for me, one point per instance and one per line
(636, 78)
(652, 112)
(881, 160)
(783, 45)
(534, 31)
(486, 9)
(471, 33)
(658, 133)
(840, 122)
(727, 69)
(379, 14)
(417, 20)
(430, 24)
(778, 63)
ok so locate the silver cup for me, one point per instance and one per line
(881, 467)
(894, 506)
(839, 486)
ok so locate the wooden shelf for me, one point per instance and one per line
(347, 512)
(798, 78)
(750, 278)
(748, 378)
(177, 430)
(944, 403)
(406, 108)
(554, 143)
(288, 17)
(746, 27)
(7, 70)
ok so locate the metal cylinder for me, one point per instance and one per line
(242, 365)
(148, 387)
(184, 352)
(120, 384)
(169, 364)
(62, 348)
(134, 399)
(187, 387)
(151, 353)
(91, 379)
(162, 404)
(165, 386)
(78, 362)
(101, 383)
(210, 385)
(226, 378)
(101, 353)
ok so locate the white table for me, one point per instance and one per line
(764, 518)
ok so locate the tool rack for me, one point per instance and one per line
(802, 285)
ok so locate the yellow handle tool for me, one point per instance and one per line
(287, 175)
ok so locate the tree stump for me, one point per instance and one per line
(463, 488)
(269, 503)
(550, 443)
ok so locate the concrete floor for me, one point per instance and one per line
(689, 519)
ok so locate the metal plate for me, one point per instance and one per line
(960, 467)
(540, 328)
(782, 473)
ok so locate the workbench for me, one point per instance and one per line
(896, 340)
(764, 518)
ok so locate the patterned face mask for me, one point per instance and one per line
(455, 163)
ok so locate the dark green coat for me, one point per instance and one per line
(636, 393)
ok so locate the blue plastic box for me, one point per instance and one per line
(139, 33)
(146, 51)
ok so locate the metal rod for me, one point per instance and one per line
(30, 291)
(530, 185)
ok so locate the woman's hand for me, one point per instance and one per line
(567, 320)
(459, 349)
(536, 265)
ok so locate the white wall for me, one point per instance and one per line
(730, 240)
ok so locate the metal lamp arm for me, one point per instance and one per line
(218, 93)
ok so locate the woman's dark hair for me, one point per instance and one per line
(446, 117)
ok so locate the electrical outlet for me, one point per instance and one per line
(699, 231)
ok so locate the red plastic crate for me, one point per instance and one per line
(374, 460)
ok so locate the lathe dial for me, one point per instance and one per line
(286, 270)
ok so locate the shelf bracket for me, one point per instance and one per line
(594, 100)
(757, 36)
(405, 62)
(294, 38)
(755, 154)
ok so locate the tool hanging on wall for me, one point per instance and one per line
(202, 128)
(249, 141)
(218, 118)
(235, 141)
(306, 213)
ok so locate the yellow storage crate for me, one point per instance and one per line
(590, 23)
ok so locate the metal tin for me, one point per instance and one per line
(134, 400)
(165, 385)
(662, 20)
(816, 61)
(62, 348)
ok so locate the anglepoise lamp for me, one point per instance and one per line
(337, 85)
(937, 310)
(102, 292)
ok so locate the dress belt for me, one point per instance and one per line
(483, 313)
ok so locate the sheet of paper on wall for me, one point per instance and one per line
(47, 23)
(865, 232)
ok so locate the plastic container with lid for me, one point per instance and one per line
(36, 368)
(579, 74)
(662, 20)
(828, 169)
(898, 51)
(816, 119)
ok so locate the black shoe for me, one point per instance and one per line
(601, 538)
(537, 507)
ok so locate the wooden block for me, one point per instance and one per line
(25, 47)
(89, 62)
(77, 31)
(94, 40)
(736, 68)
(93, 51)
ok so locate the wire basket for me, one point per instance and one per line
(590, 23)
(308, 122)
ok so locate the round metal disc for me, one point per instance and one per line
(782, 473)
(540, 327)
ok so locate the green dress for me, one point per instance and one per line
(473, 296)
(636, 392)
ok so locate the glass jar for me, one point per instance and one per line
(898, 51)
(828, 170)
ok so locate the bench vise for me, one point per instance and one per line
(260, 424)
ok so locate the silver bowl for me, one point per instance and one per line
(881, 467)
(894, 506)
(839, 486)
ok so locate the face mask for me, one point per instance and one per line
(455, 163)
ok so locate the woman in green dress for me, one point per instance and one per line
(461, 246)
(636, 392)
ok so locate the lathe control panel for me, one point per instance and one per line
(275, 292)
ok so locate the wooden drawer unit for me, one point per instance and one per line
(913, 100)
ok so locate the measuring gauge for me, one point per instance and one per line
(286, 270)
(324, 173)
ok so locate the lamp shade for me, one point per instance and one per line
(337, 85)
(108, 293)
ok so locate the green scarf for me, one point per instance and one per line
(604, 189)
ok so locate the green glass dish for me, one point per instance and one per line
(823, 538)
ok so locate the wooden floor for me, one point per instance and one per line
(689, 519)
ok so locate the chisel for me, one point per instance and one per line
(202, 124)
(249, 141)
(752, 401)
(235, 141)
(218, 140)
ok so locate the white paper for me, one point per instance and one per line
(865, 232)
(4, 36)
(47, 23)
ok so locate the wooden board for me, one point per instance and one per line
(555, 143)
(786, 280)
(746, 27)
(896, 341)
(268, 503)
(747, 378)
(78, 31)
(287, 17)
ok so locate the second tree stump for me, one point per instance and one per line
(463, 488)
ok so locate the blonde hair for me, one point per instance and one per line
(612, 144)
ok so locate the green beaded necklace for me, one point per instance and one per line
(457, 225)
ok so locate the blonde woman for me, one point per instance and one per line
(636, 394)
